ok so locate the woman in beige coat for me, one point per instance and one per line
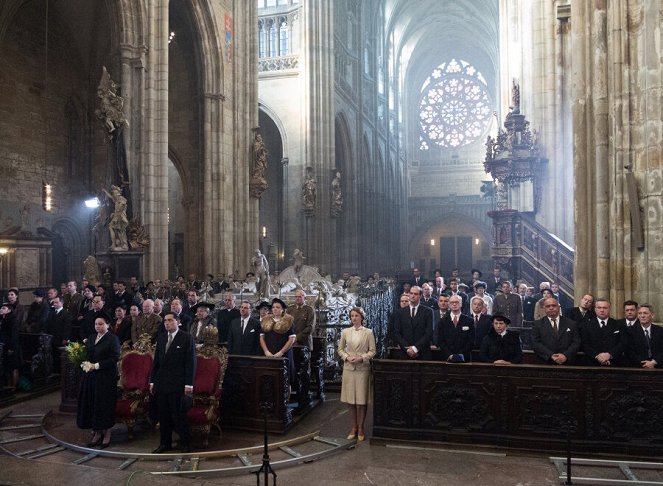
(356, 348)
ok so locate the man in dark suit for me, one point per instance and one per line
(171, 378)
(584, 312)
(243, 337)
(438, 314)
(630, 314)
(59, 326)
(427, 297)
(555, 339)
(453, 289)
(603, 338)
(226, 315)
(184, 318)
(455, 333)
(644, 345)
(416, 280)
(483, 323)
(413, 329)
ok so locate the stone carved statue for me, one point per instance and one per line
(139, 239)
(337, 196)
(91, 269)
(309, 191)
(261, 271)
(118, 222)
(111, 104)
(515, 97)
(258, 182)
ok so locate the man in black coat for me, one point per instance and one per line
(555, 338)
(171, 378)
(584, 312)
(243, 337)
(59, 326)
(630, 314)
(483, 323)
(185, 318)
(226, 315)
(644, 346)
(413, 328)
(455, 333)
(603, 338)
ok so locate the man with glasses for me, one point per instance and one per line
(455, 333)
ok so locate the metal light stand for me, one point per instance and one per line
(266, 468)
(570, 427)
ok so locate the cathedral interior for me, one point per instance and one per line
(373, 136)
(158, 138)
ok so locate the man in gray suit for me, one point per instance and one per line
(555, 339)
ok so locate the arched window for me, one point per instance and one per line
(455, 109)
(261, 39)
(272, 40)
(283, 33)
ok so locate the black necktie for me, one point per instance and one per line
(602, 324)
(476, 320)
(648, 343)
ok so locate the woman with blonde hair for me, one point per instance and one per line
(356, 348)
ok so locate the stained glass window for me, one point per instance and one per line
(455, 109)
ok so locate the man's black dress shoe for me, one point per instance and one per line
(162, 448)
(186, 448)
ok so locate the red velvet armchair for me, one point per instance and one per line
(134, 382)
(211, 363)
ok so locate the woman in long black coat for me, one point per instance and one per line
(98, 392)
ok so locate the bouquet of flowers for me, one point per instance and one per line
(76, 353)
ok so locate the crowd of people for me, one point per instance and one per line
(456, 322)
(439, 317)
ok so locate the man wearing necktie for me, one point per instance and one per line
(171, 378)
(603, 338)
(482, 322)
(644, 345)
(413, 328)
(555, 338)
(630, 314)
(456, 333)
(243, 337)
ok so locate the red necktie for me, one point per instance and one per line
(455, 321)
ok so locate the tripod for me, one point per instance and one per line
(266, 468)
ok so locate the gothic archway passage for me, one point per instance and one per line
(272, 203)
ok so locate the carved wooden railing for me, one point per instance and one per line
(530, 252)
(544, 257)
(618, 410)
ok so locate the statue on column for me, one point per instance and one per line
(118, 222)
(111, 105)
(258, 182)
(309, 190)
(337, 196)
(261, 271)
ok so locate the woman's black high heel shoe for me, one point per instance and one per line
(95, 443)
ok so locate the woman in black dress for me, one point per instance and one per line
(9, 337)
(122, 324)
(98, 392)
(278, 335)
(501, 346)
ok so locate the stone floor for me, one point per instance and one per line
(364, 465)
